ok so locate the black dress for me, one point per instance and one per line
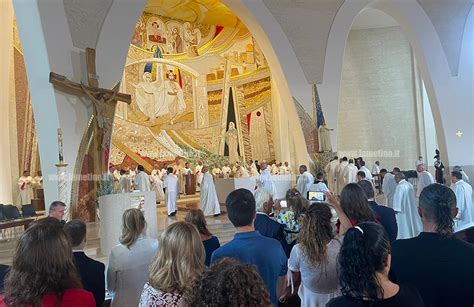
(439, 174)
(407, 296)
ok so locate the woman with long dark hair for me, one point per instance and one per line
(210, 242)
(364, 261)
(313, 260)
(43, 271)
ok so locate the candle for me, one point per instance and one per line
(60, 145)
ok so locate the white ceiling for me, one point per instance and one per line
(371, 18)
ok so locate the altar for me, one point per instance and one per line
(111, 209)
(226, 185)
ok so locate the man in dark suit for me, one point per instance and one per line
(264, 224)
(386, 215)
(92, 272)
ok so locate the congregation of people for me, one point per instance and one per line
(345, 249)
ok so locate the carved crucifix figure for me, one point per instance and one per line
(103, 101)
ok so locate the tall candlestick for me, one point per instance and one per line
(60, 145)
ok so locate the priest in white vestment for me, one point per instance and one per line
(171, 184)
(157, 186)
(265, 179)
(339, 175)
(209, 201)
(226, 170)
(406, 210)
(419, 161)
(125, 183)
(25, 184)
(216, 172)
(368, 174)
(142, 181)
(376, 168)
(305, 181)
(388, 187)
(330, 170)
(424, 179)
(463, 191)
(465, 177)
(198, 175)
(252, 168)
(241, 172)
(350, 173)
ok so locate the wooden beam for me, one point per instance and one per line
(148, 167)
(90, 65)
(65, 85)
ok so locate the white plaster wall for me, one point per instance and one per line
(377, 105)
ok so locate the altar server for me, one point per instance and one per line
(142, 181)
(209, 201)
(25, 184)
(404, 204)
(305, 180)
(463, 191)
(330, 170)
(171, 184)
(424, 179)
(266, 179)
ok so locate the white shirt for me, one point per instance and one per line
(171, 183)
(368, 174)
(463, 191)
(128, 269)
(319, 187)
(375, 169)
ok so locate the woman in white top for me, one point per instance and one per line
(313, 262)
(127, 270)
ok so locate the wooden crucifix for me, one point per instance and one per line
(103, 101)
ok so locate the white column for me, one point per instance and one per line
(6, 68)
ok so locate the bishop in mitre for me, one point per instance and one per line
(404, 205)
(25, 184)
(209, 201)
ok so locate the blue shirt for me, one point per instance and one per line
(265, 253)
(210, 245)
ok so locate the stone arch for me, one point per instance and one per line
(424, 41)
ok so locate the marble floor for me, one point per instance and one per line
(220, 226)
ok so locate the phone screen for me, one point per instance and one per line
(316, 196)
(283, 204)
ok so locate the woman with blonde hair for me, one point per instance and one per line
(180, 260)
(127, 270)
(210, 242)
(43, 271)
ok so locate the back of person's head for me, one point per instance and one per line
(351, 160)
(457, 175)
(344, 159)
(316, 232)
(367, 187)
(364, 252)
(361, 174)
(229, 283)
(438, 207)
(355, 205)
(396, 170)
(457, 168)
(55, 205)
(42, 264)
(383, 171)
(240, 206)
(76, 231)
(169, 170)
(196, 217)
(261, 197)
(320, 176)
(335, 158)
(362, 163)
(122, 172)
(133, 225)
(296, 202)
(180, 258)
(141, 168)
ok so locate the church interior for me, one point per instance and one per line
(170, 106)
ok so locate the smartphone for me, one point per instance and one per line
(283, 204)
(316, 196)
